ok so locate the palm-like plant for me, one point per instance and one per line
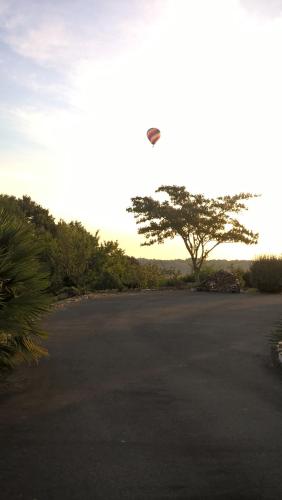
(23, 297)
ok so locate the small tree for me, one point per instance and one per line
(23, 299)
(72, 252)
(202, 223)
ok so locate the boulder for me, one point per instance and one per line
(221, 281)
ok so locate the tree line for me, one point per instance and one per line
(75, 260)
(42, 260)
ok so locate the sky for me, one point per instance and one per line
(83, 80)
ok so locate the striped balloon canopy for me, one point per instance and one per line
(153, 135)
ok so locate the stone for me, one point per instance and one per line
(221, 281)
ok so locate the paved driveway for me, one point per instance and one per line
(157, 395)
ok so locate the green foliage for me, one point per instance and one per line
(152, 276)
(113, 269)
(29, 211)
(23, 297)
(266, 273)
(202, 223)
(76, 260)
(37, 215)
(134, 275)
(107, 267)
(42, 225)
(172, 277)
(189, 278)
(70, 255)
(247, 279)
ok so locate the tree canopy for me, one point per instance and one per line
(202, 223)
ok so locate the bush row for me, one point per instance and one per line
(265, 274)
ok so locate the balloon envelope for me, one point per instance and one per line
(153, 135)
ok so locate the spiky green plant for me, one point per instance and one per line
(23, 298)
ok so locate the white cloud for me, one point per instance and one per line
(43, 44)
(50, 43)
(55, 37)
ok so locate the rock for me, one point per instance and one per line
(221, 281)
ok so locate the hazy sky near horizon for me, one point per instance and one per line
(83, 80)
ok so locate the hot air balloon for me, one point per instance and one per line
(153, 135)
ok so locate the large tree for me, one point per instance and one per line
(202, 223)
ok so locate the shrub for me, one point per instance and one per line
(172, 282)
(108, 281)
(171, 277)
(23, 300)
(247, 278)
(266, 273)
(189, 278)
(152, 276)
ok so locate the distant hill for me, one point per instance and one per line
(185, 267)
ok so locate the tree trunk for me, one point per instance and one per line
(197, 276)
(196, 269)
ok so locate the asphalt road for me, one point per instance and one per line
(157, 395)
